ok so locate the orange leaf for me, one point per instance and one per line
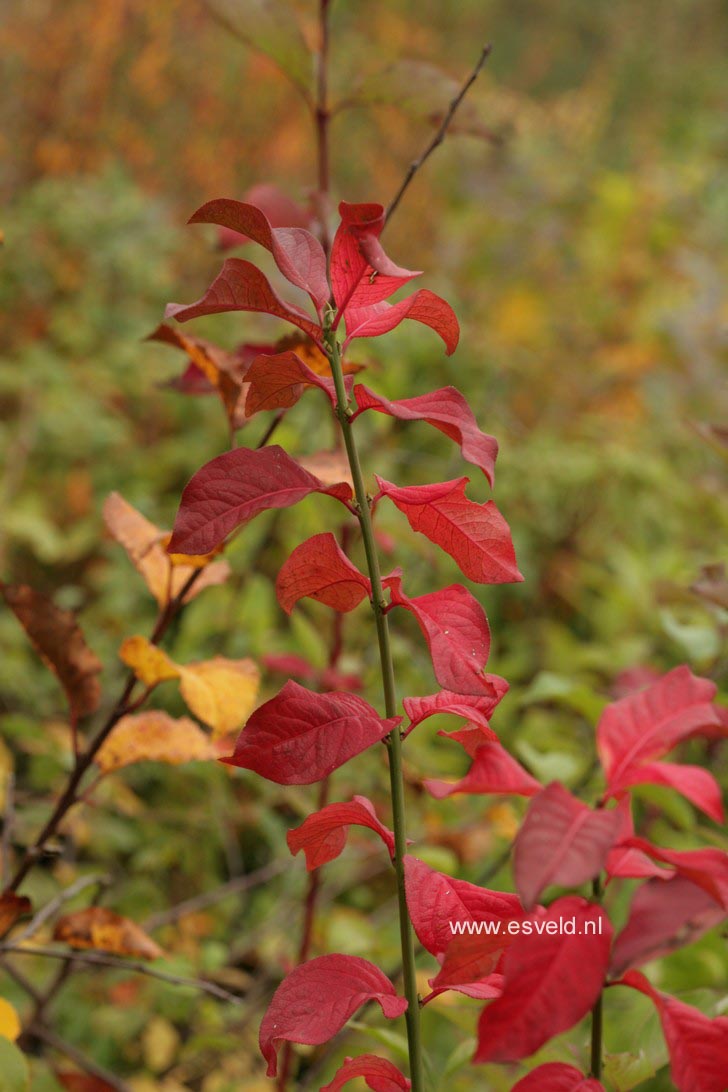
(57, 638)
(222, 369)
(12, 907)
(154, 736)
(103, 930)
(144, 543)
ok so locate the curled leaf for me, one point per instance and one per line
(319, 568)
(457, 633)
(318, 997)
(12, 907)
(103, 930)
(322, 836)
(493, 771)
(379, 1074)
(445, 409)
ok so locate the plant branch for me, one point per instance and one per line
(50, 908)
(100, 959)
(394, 740)
(597, 1016)
(39, 1031)
(234, 886)
(440, 135)
(322, 117)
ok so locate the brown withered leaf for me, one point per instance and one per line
(105, 931)
(221, 692)
(145, 545)
(12, 907)
(57, 638)
(154, 736)
(330, 466)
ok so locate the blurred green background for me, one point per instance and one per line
(576, 219)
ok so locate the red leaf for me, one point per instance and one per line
(693, 782)
(322, 836)
(240, 286)
(435, 900)
(234, 487)
(299, 737)
(422, 306)
(457, 633)
(493, 771)
(472, 958)
(551, 981)
(475, 535)
(380, 1075)
(280, 209)
(319, 568)
(625, 862)
(706, 868)
(557, 1077)
(444, 409)
(277, 382)
(318, 997)
(698, 1046)
(357, 254)
(647, 725)
(299, 256)
(665, 915)
(473, 708)
(561, 841)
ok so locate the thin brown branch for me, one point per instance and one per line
(209, 898)
(100, 959)
(440, 135)
(240, 36)
(52, 907)
(323, 118)
(39, 1031)
(8, 823)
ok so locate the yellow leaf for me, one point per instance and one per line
(9, 1021)
(150, 665)
(154, 737)
(220, 692)
(160, 1043)
(144, 543)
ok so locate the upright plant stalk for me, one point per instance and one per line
(394, 741)
(597, 1016)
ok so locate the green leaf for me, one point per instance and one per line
(626, 1071)
(14, 1072)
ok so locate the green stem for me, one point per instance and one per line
(597, 1017)
(394, 741)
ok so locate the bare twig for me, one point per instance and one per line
(24, 983)
(52, 907)
(39, 1031)
(235, 32)
(441, 133)
(100, 959)
(8, 823)
(209, 898)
